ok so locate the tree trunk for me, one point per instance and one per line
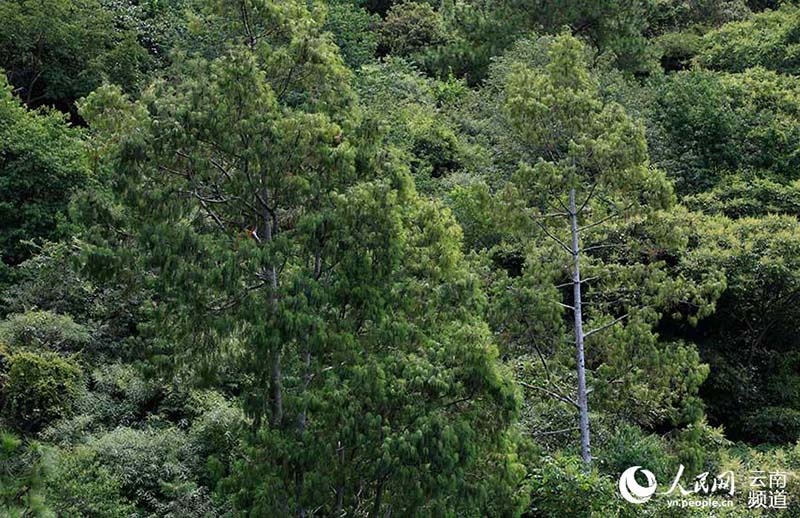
(340, 485)
(583, 404)
(275, 378)
(376, 506)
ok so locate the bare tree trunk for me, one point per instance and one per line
(583, 404)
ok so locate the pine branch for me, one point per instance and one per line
(604, 327)
(560, 397)
(555, 432)
(588, 197)
(554, 238)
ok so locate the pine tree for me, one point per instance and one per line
(282, 243)
(594, 176)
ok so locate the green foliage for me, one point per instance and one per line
(412, 112)
(354, 32)
(594, 147)
(331, 314)
(119, 396)
(57, 54)
(40, 389)
(155, 469)
(41, 163)
(678, 49)
(776, 425)
(215, 435)
(21, 477)
(43, 330)
(679, 15)
(58, 303)
(770, 39)
(411, 28)
(744, 460)
(615, 28)
(312, 254)
(79, 485)
(477, 32)
(629, 446)
(749, 341)
(557, 111)
(48, 282)
(715, 123)
(562, 486)
(739, 196)
(473, 206)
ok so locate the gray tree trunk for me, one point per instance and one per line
(583, 403)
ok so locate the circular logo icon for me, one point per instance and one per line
(631, 490)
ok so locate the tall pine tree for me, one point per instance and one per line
(282, 242)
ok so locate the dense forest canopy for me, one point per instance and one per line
(397, 257)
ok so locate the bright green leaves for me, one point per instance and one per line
(738, 196)
(717, 123)
(549, 107)
(630, 247)
(41, 164)
(58, 51)
(768, 39)
(301, 63)
(40, 389)
(43, 330)
(557, 110)
(751, 336)
(411, 29)
(353, 30)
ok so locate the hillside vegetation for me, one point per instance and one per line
(396, 258)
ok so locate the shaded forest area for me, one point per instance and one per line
(395, 258)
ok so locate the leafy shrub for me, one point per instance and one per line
(69, 432)
(435, 148)
(770, 39)
(666, 15)
(629, 446)
(61, 53)
(41, 165)
(215, 436)
(697, 446)
(353, 30)
(157, 469)
(714, 123)
(41, 388)
(774, 424)
(410, 28)
(43, 330)
(738, 196)
(48, 282)
(79, 485)
(119, 395)
(21, 478)
(563, 487)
